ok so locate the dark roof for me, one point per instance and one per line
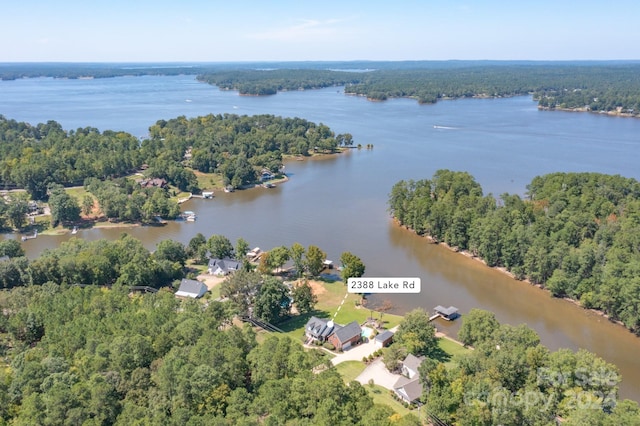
(383, 337)
(412, 388)
(225, 265)
(348, 331)
(451, 310)
(412, 362)
(319, 328)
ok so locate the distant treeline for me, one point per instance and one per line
(578, 234)
(262, 82)
(603, 86)
(33, 157)
(595, 87)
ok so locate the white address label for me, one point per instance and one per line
(383, 285)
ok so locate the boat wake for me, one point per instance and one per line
(444, 127)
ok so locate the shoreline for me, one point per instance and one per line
(608, 113)
(506, 272)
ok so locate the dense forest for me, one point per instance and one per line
(237, 147)
(261, 82)
(577, 234)
(151, 359)
(98, 353)
(510, 379)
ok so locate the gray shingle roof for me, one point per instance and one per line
(348, 331)
(412, 389)
(225, 265)
(383, 337)
(191, 288)
(412, 362)
(451, 310)
(318, 328)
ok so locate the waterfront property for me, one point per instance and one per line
(341, 337)
(345, 336)
(223, 266)
(318, 329)
(410, 365)
(384, 339)
(409, 390)
(191, 288)
(449, 313)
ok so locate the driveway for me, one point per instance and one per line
(355, 353)
(380, 375)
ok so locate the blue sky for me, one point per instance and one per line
(237, 30)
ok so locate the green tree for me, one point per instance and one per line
(17, 212)
(87, 204)
(11, 248)
(197, 248)
(242, 248)
(172, 251)
(477, 326)
(64, 207)
(416, 333)
(272, 302)
(315, 260)
(241, 288)
(352, 266)
(220, 247)
(393, 355)
(278, 256)
(297, 256)
(304, 298)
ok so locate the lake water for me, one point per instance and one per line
(339, 203)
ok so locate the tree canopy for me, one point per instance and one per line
(574, 233)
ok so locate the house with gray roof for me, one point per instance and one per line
(410, 365)
(191, 288)
(383, 340)
(346, 336)
(318, 329)
(409, 390)
(223, 266)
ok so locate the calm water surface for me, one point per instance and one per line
(339, 204)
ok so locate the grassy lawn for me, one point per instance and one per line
(208, 181)
(330, 296)
(452, 349)
(349, 370)
(78, 192)
(215, 292)
(381, 395)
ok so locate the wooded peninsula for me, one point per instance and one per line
(576, 234)
(129, 179)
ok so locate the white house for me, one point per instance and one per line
(191, 288)
(223, 266)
